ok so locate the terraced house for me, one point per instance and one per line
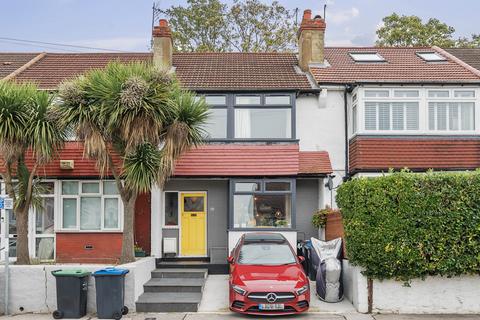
(282, 125)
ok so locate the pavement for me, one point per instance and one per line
(220, 316)
(214, 306)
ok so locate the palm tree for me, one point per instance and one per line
(27, 128)
(140, 114)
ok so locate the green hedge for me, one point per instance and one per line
(408, 225)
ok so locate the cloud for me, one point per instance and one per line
(342, 16)
(121, 43)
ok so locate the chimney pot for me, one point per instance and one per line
(163, 23)
(307, 14)
(162, 45)
(311, 40)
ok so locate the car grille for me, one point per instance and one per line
(238, 304)
(303, 304)
(262, 297)
(287, 309)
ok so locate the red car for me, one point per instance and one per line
(266, 276)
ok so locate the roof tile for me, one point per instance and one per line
(402, 66)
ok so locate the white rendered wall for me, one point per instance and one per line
(355, 286)
(321, 127)
(233, 237)
(457, 295)
(33, 288)
(156, 214)
(437, 295)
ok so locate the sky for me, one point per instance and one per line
(125, 25)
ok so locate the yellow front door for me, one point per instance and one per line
(194, 224)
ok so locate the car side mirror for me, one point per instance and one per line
(301, 259)
(230, 259)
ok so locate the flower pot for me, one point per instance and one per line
(140, 254)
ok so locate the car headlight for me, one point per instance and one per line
(239, 290)
(302, 290)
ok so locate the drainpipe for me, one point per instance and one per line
(348, 89)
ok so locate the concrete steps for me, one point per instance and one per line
(173, 290)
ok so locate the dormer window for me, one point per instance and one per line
(431, 56)
(367, 57)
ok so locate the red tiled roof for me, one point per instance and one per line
(54, 68)
(226, 160)
(402, 66)
(470, 56)
(196, 71)
(314, 162)
(72, 151)
(9, 62)
(239, 160)
(416, 153)
(239, 71)
(251, 160)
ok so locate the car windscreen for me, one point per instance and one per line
(270, 254)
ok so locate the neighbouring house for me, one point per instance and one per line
(281, 125)
(469, 56)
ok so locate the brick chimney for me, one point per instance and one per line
(311, 40)
(162, 45)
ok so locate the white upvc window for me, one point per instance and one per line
(391, 116)
(451, 116)
(354, 119)
(451, 110)
(409, 110)
(90, 206)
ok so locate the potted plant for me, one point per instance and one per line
(139, 252)
(281, 223)
(319, 220)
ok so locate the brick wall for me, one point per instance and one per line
(143, 221)
(88, 247)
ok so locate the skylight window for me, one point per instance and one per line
(366, 57)
(431, 56)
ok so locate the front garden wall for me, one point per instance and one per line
(33, 288)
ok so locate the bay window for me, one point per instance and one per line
(414, 110)
(250, 116)
(90, 206)
(262, 204)
(44, 223)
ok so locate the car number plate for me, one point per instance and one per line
(273, 306)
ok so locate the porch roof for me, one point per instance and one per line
(211, 160)
(233, 160)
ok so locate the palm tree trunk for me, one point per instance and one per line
(23, 256)
(128, 254)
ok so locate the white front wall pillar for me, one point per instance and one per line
(156, 222)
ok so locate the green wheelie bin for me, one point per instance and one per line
(72, 286)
